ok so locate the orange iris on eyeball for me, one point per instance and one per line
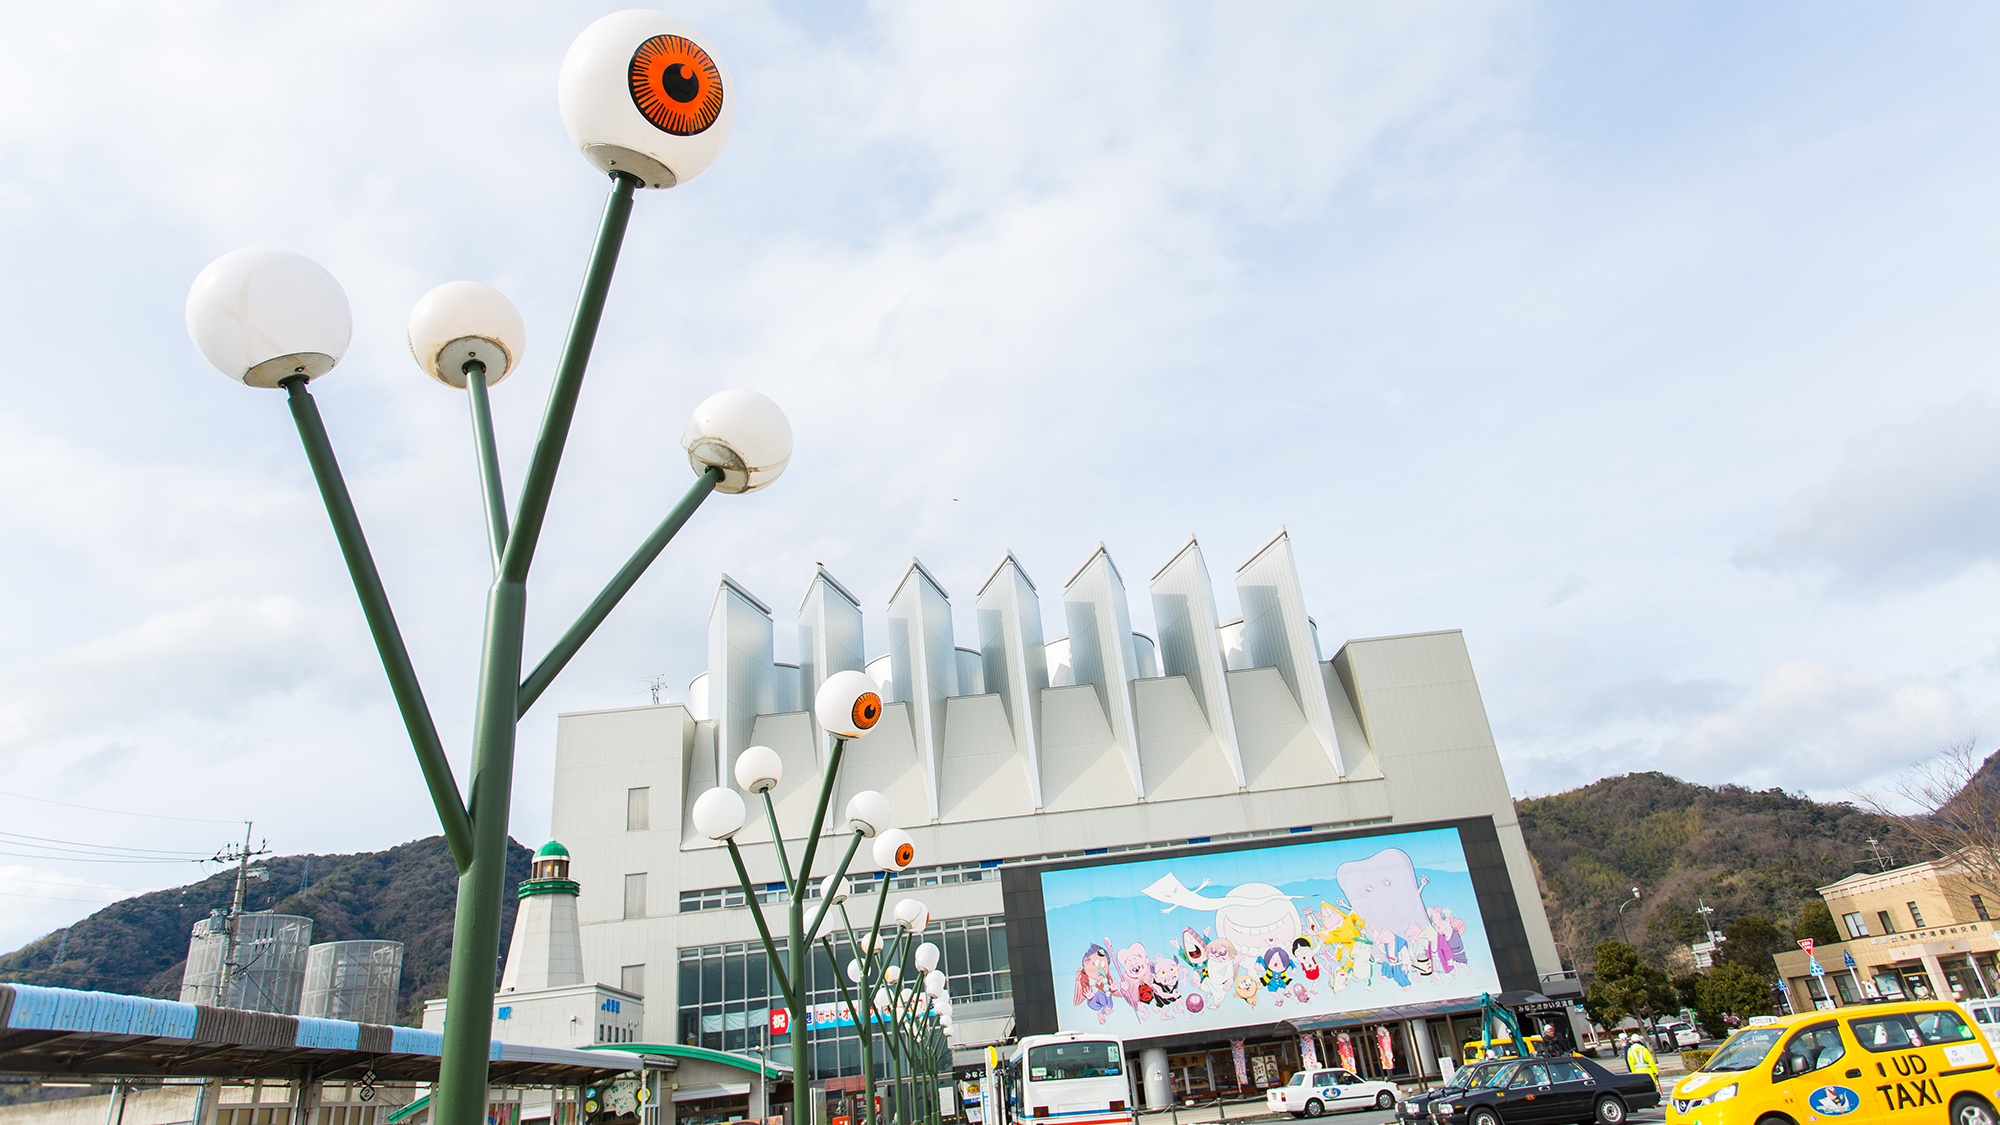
(676, 85)
(904, 854)
(867, 710)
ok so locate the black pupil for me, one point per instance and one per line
(679, 84)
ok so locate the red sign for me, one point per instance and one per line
(781, 1022)
(1807, 945)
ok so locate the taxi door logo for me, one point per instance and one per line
(676, 85)
(1834, 1101)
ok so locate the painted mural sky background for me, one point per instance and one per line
(1263, 891)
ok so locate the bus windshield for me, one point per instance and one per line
(1056, 1062)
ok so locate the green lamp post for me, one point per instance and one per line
(646, 101)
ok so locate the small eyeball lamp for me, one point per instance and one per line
(743, 434)
(262, 316)
(644, 93)
(912, 915)
(848, 704)
(894, 850)
(461, 323)
(868, 813)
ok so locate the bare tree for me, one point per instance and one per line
(1950, 805)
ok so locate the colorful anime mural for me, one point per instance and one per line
(1265, 933)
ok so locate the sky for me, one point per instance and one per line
(1651, 345)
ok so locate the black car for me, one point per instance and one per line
(1560, 1091)
(1416, 1108)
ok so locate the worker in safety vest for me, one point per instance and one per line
(1639, 1058)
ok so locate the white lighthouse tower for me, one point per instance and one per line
(543, 998)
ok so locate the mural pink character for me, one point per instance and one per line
(1135, 981)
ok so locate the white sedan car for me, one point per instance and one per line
(1313, 1092)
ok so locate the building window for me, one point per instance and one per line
(635, 895)
(726, 991)
(632, 978)
(1888, 923)
(1979, 908)
(1857, 926)
(638, 809)
(1916, 916)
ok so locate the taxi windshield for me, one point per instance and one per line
(1746, 1049)
(1299, 1079)
(1493, 1076)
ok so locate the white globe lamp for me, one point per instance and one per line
(741, 433)
(718, 813)
(759, 769)
(912, 915)
(461, 323)
(927, 956)
(868, 813)
(262, 316)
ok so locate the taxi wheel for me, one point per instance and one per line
(1610, 1111)
(1971, 1109)
(1314, 1108)
(1387, 1100)
(1483, 1116)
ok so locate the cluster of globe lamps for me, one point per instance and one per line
(647, 101)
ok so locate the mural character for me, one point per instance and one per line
(1166, 985)
(1136, 979)
(1339, 937)
(1308, 964)
(1386, 962)
(1249, 919)
(1277, 976)
(1093, 982)
(1246, 989)
(1417, 954)
(1385, 889)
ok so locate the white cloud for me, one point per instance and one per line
(1909, 505)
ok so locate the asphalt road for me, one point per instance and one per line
(1347, 1117)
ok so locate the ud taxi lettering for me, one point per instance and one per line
(1902, 1095)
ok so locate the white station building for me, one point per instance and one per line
(1009, 749)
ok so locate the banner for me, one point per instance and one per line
(1242, 1064)
(1309, 1051)
(1264, 933)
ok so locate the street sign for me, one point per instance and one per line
(781, 1021)
(1849, 958)
(1815, 968)
(1807, 945)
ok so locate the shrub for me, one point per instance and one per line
(1695, 1060)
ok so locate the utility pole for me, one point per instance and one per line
(1883, 860)
(241, 857)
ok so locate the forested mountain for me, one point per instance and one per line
(403, 894)
(1744, 852)
(1748, 854)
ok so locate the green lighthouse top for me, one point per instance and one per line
(548, 873)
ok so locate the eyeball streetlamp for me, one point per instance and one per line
(718, 813)
(463, 323)
(759, 769)
(894, 850)
(264, 316)
(742, 434)
(648, 101)
(848, 704)
(927, 956)
(645, 94)
(934, 983)
(868, 813)
(892, 974)
(834, 889)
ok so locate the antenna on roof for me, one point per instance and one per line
(655, 683)
(1883, 860)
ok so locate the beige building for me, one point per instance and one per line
(1915, 932)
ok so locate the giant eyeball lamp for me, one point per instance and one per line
(834, 889)
(759, 769)
(927, 957)
(913, 915)
(742, 433)
(867, 811)
(894, 850)
(461, 323)
(718, 813)
(892, 974)
(262, 316)
(644, 93)
(848, 704)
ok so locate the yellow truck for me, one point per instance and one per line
(1900, 1063)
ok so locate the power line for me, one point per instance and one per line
(38, 841)
(52, 898)
(118, 812)
(72, 886)
(92, 858)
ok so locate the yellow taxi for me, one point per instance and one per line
(1916, 1061)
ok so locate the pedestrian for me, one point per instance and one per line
(1639, 1058)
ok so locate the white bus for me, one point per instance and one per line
(1068, 1079)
